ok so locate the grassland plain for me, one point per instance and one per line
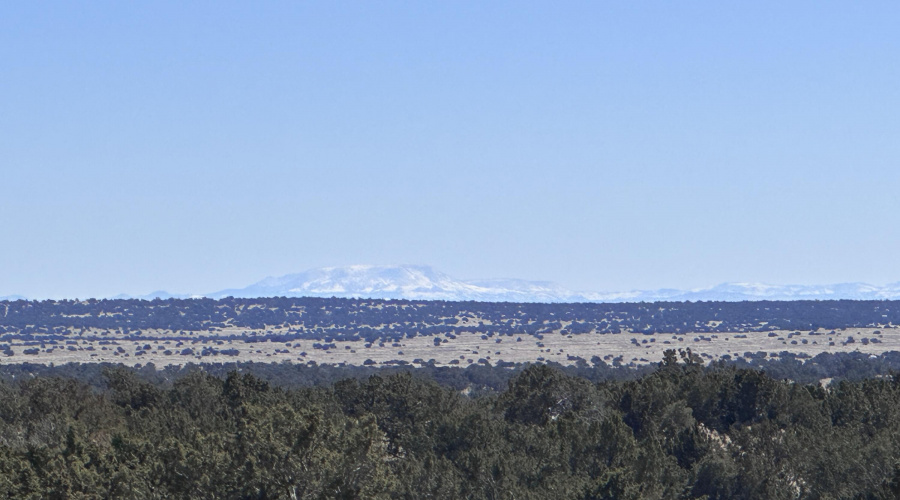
(167, 347)
(385, 332)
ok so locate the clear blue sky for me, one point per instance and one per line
(602, 145)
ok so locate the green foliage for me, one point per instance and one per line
(682, 431)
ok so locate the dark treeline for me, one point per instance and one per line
(369, 319)
(682, 430)
(475, 379)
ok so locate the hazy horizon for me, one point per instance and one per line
(606, 147)
(890, 290)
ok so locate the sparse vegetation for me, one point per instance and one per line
(388, 331)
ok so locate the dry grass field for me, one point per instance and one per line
(162, 347)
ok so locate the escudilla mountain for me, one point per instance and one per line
(425, 283)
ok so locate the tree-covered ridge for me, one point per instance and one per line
(369, 319)
(682, 431)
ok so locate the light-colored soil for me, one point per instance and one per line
(465, 349)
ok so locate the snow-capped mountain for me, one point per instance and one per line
(424, 283)
(399, 282)
(735, 292)
(159, 294)
(758, 291)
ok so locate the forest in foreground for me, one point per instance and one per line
(681, 430)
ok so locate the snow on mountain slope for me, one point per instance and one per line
(400, 282)
(424, 283)
(159, 294)
(757, 291)
(388, 282)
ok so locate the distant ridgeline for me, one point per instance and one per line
(369, 319)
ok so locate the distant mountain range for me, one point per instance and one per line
(400, 282)
(159, 294)
(424, 283)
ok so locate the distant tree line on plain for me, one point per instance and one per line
(367, 319)
(475, 378)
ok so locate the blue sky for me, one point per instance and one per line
(602, 145)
